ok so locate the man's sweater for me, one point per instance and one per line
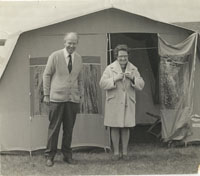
(58, 83)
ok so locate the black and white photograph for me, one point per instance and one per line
(99, 87)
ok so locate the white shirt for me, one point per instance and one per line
(66, 54)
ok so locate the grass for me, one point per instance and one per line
(144, 159)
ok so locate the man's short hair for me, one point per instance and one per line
(71, 33)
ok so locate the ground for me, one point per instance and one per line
(144, 159)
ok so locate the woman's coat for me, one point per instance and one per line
(120, 96)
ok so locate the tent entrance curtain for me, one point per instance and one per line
(176, 83)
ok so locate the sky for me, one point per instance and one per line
(24, 15)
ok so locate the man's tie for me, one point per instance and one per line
(70, 63)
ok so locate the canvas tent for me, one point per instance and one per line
(23, 116)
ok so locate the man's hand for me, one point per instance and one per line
(118, 77)
(46, 99)
(130, 76)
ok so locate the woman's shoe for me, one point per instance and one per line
(125, 157)
(115, 157)
(49, 162)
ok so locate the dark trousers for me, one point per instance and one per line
(61, 113)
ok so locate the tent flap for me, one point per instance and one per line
(177, 66)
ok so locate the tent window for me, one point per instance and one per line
(91, 73)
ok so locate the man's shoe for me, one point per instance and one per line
(69, 160)
(49, 162)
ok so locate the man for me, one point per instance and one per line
(62, 84)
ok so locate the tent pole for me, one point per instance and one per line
(109, 48)
(30, 151)
(30, 154)
(30, 117)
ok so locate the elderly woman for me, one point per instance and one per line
(120, 80)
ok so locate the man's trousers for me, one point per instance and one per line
(61, 113)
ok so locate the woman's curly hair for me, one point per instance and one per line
(120, 47)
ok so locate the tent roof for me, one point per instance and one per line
(38, 13)
(33, 15)
(195, 26)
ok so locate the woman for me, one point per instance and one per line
(120, 80)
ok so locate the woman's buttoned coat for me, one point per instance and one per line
(120, 96)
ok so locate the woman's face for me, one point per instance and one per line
(122, 58)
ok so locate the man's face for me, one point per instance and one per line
(122, 58)
(71, 42)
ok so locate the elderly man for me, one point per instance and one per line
(61, 84)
